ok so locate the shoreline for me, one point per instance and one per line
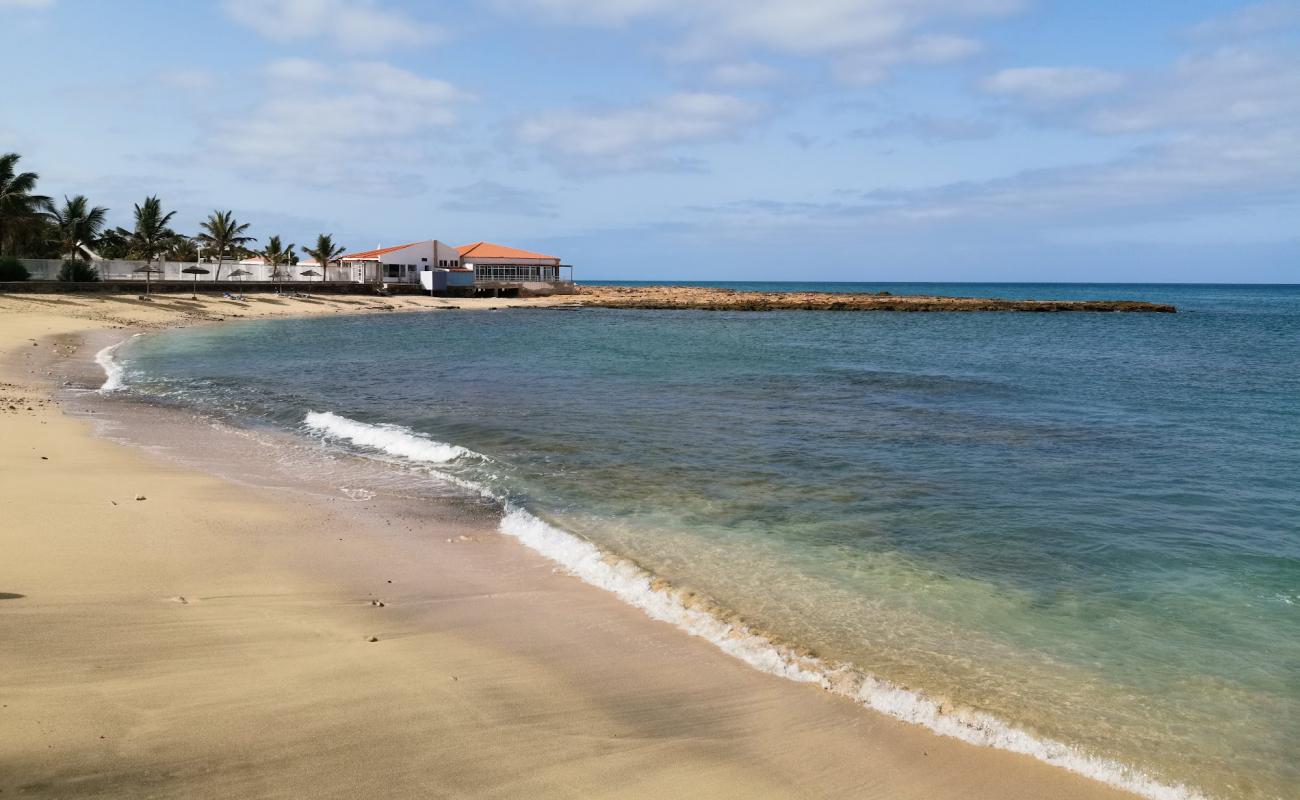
(716, 681)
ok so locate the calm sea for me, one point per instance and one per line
(1073, 535)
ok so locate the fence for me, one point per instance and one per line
(47, 269)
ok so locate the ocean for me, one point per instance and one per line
(1071, 535)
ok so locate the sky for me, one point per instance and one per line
(819, 140)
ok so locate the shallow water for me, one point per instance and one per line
(1085, 525)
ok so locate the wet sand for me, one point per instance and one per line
(214, 639)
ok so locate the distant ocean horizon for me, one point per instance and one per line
(1017, 288)
(1075, 536)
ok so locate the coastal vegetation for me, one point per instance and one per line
(76, 271)
(76, 224)
(221, 232)
(277, 256)
(325, 251)
(11, 269)
(32, 225)
(21, 208)
(151, 237)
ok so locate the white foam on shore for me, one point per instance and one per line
(660, 601)
(637, 587)
(391, 439)
(114, 372)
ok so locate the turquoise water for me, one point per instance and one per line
(1085, 525)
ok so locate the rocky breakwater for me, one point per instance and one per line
(718, 299)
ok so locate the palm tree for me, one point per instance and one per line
(76, 225)
(182, 248)
(18, 206)
(324, 252)
(151, 237)
(276, 254)
(114, 243)
(222, 231)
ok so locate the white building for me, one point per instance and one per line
(400, 264)
(496, 263)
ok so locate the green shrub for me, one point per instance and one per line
(11, 269)
(78, 272)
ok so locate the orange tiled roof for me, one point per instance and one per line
(367, 255)
(489, 250)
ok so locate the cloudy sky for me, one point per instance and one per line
(706, 139)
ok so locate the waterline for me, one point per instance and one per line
(114, 372)
(699, 617)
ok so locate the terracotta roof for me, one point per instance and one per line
(489, 250)
(367, 255)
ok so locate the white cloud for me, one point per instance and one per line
(188, 80)
(851, 33)
(635, 137)
(490, 197)
(1183, 176)
(1176, 181)
(353, 25)
(1252, 20)
(743, 74)
(331, 124)
(930, 128)
(875, 65)
(1230, 86)
(1052, 84)
(299, 70)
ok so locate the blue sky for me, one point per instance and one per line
(692, 139)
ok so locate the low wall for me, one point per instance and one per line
(204, 287)
(208, 287)
(47, 269)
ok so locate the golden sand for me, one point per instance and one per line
(214, 641)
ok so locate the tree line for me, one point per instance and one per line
(35, 226)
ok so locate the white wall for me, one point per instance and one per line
(416, 258)
(43, 269)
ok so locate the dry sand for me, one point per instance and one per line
(212, 641)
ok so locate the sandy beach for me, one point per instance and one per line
(172, 634)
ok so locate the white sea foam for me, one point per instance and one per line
(639, 588)
(391, 439)
(114, 372)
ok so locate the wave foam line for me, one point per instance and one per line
(660, 601)
(640, 589)
(391, 439)
(114, 372)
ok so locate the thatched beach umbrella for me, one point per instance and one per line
(311, 273)
(196, 271)
(239, 273)
(147, 269)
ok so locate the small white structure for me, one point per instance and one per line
(400, 264)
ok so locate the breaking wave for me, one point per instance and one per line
(661, 601)
(114, 372)
(394, 440)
